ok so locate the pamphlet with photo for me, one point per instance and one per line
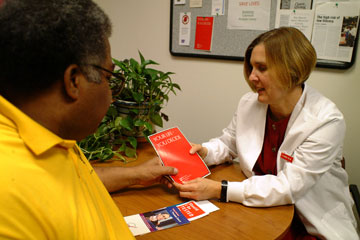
(168, 217)
(155, 220)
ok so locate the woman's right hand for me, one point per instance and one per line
(202, 151)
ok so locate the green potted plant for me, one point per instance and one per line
(135, 112)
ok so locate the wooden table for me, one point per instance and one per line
(232, 221)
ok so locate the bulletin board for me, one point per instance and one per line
(228, 43)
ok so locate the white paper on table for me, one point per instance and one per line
(136, 225)
(207, 206)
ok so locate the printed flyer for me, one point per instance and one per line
(155, 220)
(335, 29)
(168, 217)
(204, 33)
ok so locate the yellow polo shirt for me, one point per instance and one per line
(48, 189)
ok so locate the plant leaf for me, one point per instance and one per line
(135, 65)
(112, 111)
(148, 126)
(139, 97)
(130, 152)
(156, 119)
(141, 57)
(165, 117)
(122, 148)
(119, 156)
(119, 141)
(175, 85)
(118, 122)
(126, 123)
(132, 141)
(139, 122)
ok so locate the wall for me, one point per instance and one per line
(211, 88)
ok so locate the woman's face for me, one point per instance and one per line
(270, 91)
(159, 216)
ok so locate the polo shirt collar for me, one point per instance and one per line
(38, 138)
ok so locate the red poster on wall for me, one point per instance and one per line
(203, 34)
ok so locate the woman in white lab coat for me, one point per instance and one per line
(288, 139)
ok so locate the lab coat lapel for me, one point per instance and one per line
(253, 126)
(299, 127)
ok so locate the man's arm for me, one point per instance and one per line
(116, 178)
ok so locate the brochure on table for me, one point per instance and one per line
(168, 217)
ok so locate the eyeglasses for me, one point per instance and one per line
(116, 88)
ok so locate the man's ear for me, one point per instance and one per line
(72, 76)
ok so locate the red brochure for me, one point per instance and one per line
(191, 210)
(203, 33)
(173, 149)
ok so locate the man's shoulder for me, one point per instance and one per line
(7, 126)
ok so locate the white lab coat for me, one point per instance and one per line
(314, 181)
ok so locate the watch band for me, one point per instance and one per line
(223, 195)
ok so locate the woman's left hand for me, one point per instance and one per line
(199, 189)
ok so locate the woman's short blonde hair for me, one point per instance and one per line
(290, 56)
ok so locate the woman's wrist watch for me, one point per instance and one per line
(223, 195)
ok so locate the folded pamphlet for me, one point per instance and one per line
(168, 217)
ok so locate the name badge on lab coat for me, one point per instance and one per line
(286, 157)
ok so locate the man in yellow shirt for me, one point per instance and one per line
(53, 93)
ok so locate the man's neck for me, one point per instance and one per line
(46, 108)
